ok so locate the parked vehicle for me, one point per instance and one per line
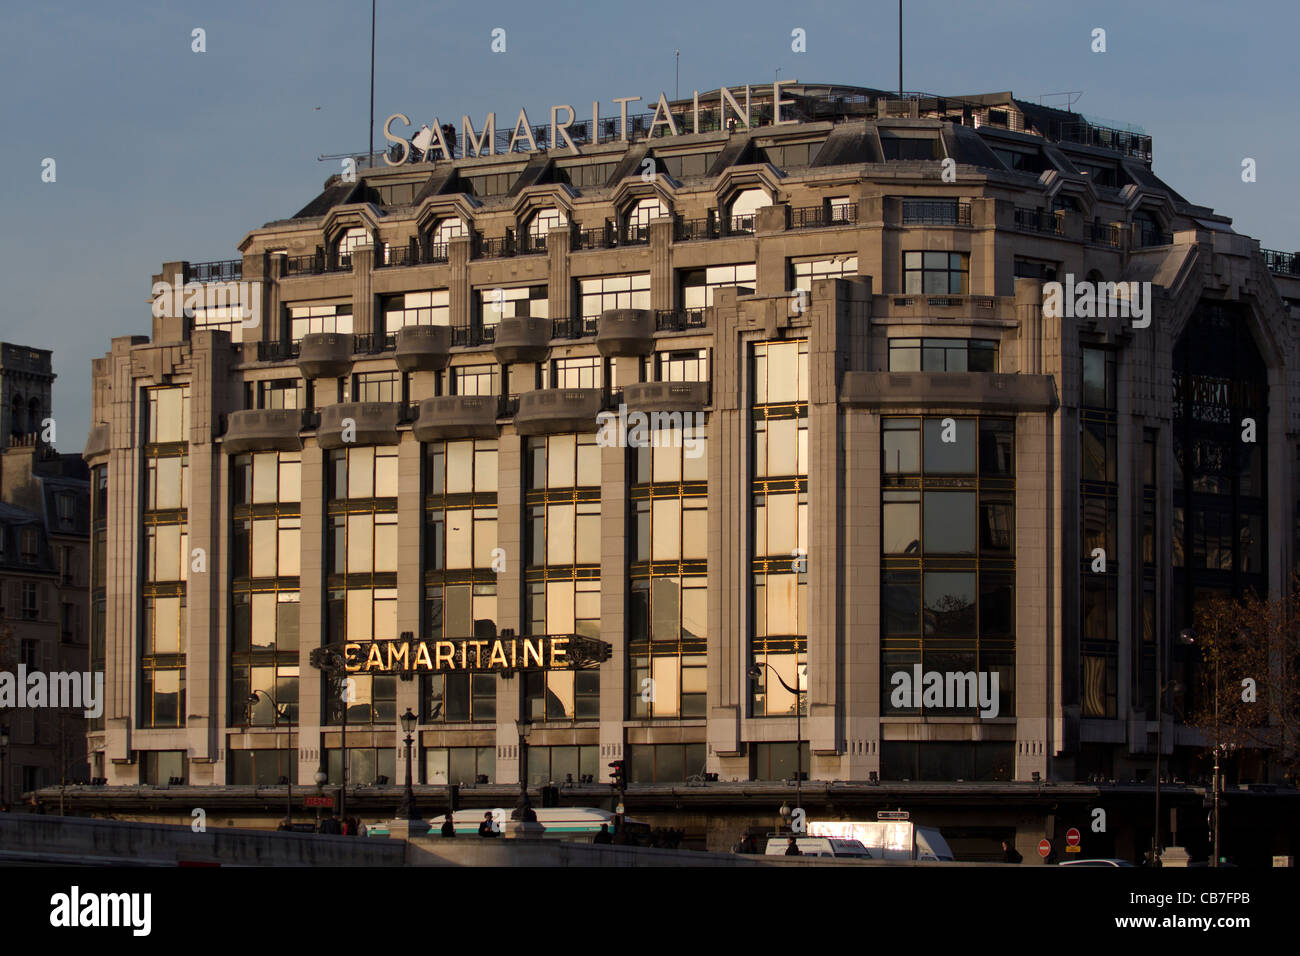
(817, 846)
(1097, 862)
(888, 839)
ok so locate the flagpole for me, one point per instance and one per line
(371, 135)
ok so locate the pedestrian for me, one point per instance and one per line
(1009, 853)
(792, 848)
(604, 836)
(448, 827)
(332, 826)
(485, 829)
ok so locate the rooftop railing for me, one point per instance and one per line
(1285, 263)
(1039, 220)
(226, 270)
(936, 212)
(316, 265)
(815, 217)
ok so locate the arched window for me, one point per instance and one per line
(542, 222)
(640, 216)
(447, 230)
(16, 425)
(34, 415)
(745, 205)
(351, 240)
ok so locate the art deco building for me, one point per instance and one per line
(904, 461)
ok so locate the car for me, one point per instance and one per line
(1108, 861)
(819, 846)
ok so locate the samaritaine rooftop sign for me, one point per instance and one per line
(433, 140)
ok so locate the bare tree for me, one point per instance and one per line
(1250, 649)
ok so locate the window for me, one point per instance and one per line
(30, 545)
(678, 365)
(744, 208)
(309, 319)
(602, 293)
(559, 764)
(699, 285)
(168, 413)
(364, 472)
(806, 271)
(524, 301)
(934, 273)
(460, 765)
(902, 146)
(29, 654)
(416, 308)
(639, 218)
(350, 241)
(263, 768)
(943, 355)
(447, 230)
(583, 372)
(692, 164)
(665, 763)
(593, 175)
(161, 767)
(948, 551)
(276, 394)
(797, 154)
(541, 223)
(378, 387)
(475, 379)
(564, 461)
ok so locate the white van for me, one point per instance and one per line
(888, 839)
(818, 846)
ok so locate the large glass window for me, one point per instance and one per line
(935, 273)
(948, 556)
(699, 285)
(807, 271)
(416, 308)
(306, 319)
(523, 301)
(639, 218)
(601, 293)
(943, 355)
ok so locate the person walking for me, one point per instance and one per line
(485, 828)
(448, 827)
(332, 826)
(792, 848)
(604, 836)
(1010, 854)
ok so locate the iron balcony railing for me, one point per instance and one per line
(316, 265)
(1123, 141)
(507, 406)
(743, 225)
(1148, 235)
(636, 234)
(1286, 263)
(1039, 220)
(471, 336)
(574, 328)
(1103, 234)
(277, 351)
(532, 245)
(374, 342)
(813, 217)
(500, 247)
(602, 238)
(690, 229)
(406, 256)
(227, 270)
(936, 212)
(679, 320)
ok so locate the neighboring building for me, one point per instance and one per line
(907, 463)
(44, 576)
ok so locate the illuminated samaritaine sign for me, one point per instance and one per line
(504, 653)
(433, 140)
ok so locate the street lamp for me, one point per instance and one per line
(321, 777)
(523, 808)
(281, 711)
(754, 674)
(407, 809)
(1188, 636)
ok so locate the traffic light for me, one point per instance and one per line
(617, 776)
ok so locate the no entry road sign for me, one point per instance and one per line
(1072, 836)
(1044, 848)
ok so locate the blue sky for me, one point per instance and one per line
(163, 153)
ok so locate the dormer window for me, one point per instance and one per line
(639, 218)
(542, 222)
(29, 545)
(745, 206)
(351, 240)
(447, 230)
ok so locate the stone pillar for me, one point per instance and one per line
(663, 291)
(1037, 640)
(410, 581)
(559, 242)
(862, 606)
(311, 614)
(511, 450)
(460, 310)
(613, 602)
(363, 299)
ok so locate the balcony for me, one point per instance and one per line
(936, 212)
(680, 320)
(277, 351)
(263, 430)
(1283, 263)
(1145, 235)
(532, 245)
(584, 326)
(602, 238)
(522, 339)
(367, 423)
(502, 247)
(374, 343)
(423, 348)
(743, 225)
(817, 217)
(457, 416)
(689, 230)
(406, 256)
(315, 265)
(227, 270)
(545, 411)
(1102, 234)
(325, 354)
(1040, 221)
(625, 332)
(667, 396)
